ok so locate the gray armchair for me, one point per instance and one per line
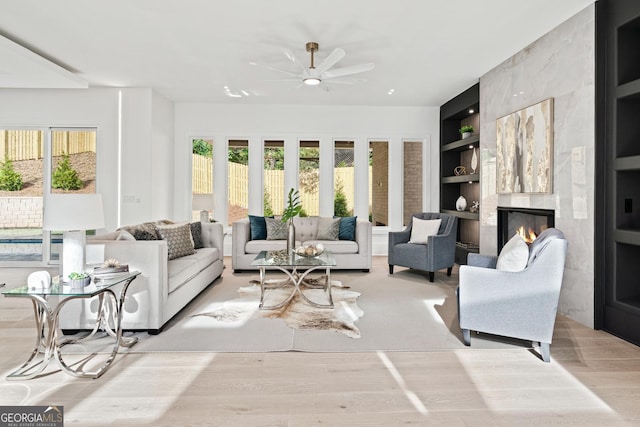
(438, 253)
(520, 304)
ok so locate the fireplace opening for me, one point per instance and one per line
(529, 223)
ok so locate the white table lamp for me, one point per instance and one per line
(203, 203)
(73, 214)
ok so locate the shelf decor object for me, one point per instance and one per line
(461, 204)
(474, 161)
(524, 153)
(73, 214)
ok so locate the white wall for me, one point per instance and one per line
(560, 65)
(291, 123)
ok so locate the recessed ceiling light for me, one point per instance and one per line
(471, 111)
(391, 91)
(470, 147)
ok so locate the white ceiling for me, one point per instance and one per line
(189, 50)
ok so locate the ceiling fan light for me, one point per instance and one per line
(312, 81)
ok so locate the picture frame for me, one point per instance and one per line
(524, 150)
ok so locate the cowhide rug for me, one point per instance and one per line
(297, 314)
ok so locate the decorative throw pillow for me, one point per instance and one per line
(178, 237)
(196, 235)
(328, 228)
(144, 235)
(514, 255)
(257, 227)
(276, 229)
(347, 228)
(421, 229)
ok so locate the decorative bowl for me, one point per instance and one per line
(80, 283)
(310, 251)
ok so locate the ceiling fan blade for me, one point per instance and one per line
(284, 79)
(354, 69)
(276, 69)
(331, 60)
(294, 59)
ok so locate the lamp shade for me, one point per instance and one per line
(68, 212)
(203, 202)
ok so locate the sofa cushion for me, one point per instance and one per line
(145, 235)
(347, 228)
(256, 246)
(178, 238)
(421, 229)
(514, 255)
(257, 227)
(196, 235)
(306, 227)
(183, 269)
(336, 246)
(328, 228)
(276, 229)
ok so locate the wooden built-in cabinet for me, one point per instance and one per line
(455, 151)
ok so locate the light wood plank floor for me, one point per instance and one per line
(592, 380)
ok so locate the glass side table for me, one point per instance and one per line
(49, 337)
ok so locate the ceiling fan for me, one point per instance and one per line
(323, 73)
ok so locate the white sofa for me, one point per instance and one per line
(164, 287)
(349, 254)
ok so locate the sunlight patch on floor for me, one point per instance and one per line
(411, 396)
(430, 304)
(526, 383)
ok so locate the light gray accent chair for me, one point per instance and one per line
(438, 253)
(520, 304)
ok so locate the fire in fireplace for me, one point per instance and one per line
(527, 222)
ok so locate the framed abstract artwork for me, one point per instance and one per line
(525, 150)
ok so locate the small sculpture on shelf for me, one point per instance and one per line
(475, 206)
(460, 170)
(474, 161)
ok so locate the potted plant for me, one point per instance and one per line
(293, 208)
(466, 131)
(79, 280)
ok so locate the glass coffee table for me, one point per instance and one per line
(49, 337)
(297, 269)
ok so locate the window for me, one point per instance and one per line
(379, 182)
(309, 172)
(238, 180)
(274, 191)
(412, 179)
(343, 178)
(202, 179)
(25, 155)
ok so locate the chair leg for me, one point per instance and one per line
(466, 337)
(449, 271)
(390, 269)
(544, 349)
(432, 276)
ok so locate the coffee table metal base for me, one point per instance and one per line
(298, 280)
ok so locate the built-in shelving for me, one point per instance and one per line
(454, 152)
(618, 164)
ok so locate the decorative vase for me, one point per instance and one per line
(461, 204)
(291, 237)
(474, 161)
